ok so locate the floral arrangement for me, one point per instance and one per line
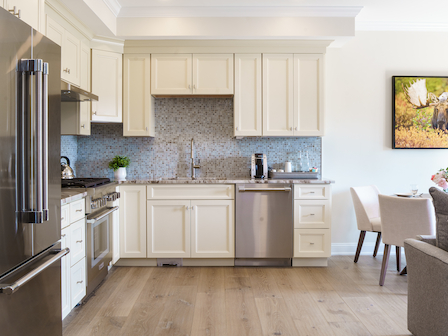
(441, 178)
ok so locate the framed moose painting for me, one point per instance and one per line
(420, 112)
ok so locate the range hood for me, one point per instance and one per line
(70, 93)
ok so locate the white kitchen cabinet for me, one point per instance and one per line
(77, 241)
(116, 230)
(312, 221)
(168, 229)
(78, 282)
(212, 229)
(247, 99)
(278, 94)
(191, 74)
(65, 274)
(132, 221)
(107, 83)
(308, 95)
(30, 11)
(138, 104)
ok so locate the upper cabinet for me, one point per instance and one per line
(247, 99)
(30, 11)
(192, 74)
(107, 83)
(138, 104)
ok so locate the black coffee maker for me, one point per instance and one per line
(259, 166)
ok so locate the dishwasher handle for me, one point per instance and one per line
(264, 189)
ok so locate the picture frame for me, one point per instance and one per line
(420, 112)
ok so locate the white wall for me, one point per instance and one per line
(357, 143)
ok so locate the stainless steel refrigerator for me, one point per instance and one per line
(30, 185)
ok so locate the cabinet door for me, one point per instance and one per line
(212, 229)
(308, 95)
(65, 274)
(78, 282)
(171, 74)
(30, 11)
(138, 104)
(71, 59)
(212, 74)
(116, 231)
(84, 111)
(77, 241)
(278, 99)
(247, 99)
(168, 229)
(54, 31)
(133, 222)
(107, 83)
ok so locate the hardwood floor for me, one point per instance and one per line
(340, 300)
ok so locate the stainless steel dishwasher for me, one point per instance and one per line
(264, 224)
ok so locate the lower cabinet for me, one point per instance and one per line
(190, 226)
(73, 265)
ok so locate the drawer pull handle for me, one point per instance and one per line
(311, 192)
(78, 210)
(63, 235)
(79, 241)
(311, 243)
(80, 282)
(311, 214)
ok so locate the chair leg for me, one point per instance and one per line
(385, 263)
(362, 235)
(398, 255)
(377, 245)
(404, 271)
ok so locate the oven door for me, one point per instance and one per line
(99, 246)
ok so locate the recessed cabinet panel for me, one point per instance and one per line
(138, 104)
(71, 61)
(278, 99)
(212, 74)
(212, 229)
(247, 99)
(171, 74)
(133, 222)
(78, 282)
(312, 214)
(308, 92)
(168, 229)
(312, 191)
(55, 31)
(312, 243)
(179, 191)
(77, 241)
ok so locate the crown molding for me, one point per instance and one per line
(401, 26)
(239, 11)
(114, 6)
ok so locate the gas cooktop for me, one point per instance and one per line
(84, 182)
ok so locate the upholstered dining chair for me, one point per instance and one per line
(367, 210)
(403, 218)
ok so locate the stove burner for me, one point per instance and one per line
(84, 182)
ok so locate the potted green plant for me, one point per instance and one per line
(119, 164)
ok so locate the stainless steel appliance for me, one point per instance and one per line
(99, 208)
(70, 93)
(259, 166)
(30, 189)
(264, 224)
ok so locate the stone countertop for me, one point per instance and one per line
(224, 181)
(71, 195)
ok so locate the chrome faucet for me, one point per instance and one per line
(192, 164)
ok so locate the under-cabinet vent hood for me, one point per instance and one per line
(70, 93)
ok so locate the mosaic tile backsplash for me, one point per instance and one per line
(208, 120)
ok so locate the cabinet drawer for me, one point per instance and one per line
(311, 214)
(78, 282)
(77, 241)
(208, 191)
(312, 243)
(65, 216)
(311, 192)
(77, 210)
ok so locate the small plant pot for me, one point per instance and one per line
(120, 174)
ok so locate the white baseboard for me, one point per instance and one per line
(350, 248)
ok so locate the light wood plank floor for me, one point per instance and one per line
(340, 300)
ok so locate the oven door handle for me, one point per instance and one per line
(102, 215)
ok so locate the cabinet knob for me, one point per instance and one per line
(79, 282)
(94, 113)
(237, 128)
(194, 86)
(83, 126)
(295, 128)
(146, 128)
(62, 218)
(14, 11)
(67, 70)
(189, 86)
(192, 208)
(79, 241)
(187, 207)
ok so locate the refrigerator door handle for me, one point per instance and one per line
(14, 287)
(33, 137)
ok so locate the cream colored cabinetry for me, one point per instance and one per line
(247, 99)
(138, 104)
(312, 221)
(191, 74)
(190, 221)
(278, 99)
(132, 221)
(116, 230)
(107, 83)
(30, 11)
(73, 265)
